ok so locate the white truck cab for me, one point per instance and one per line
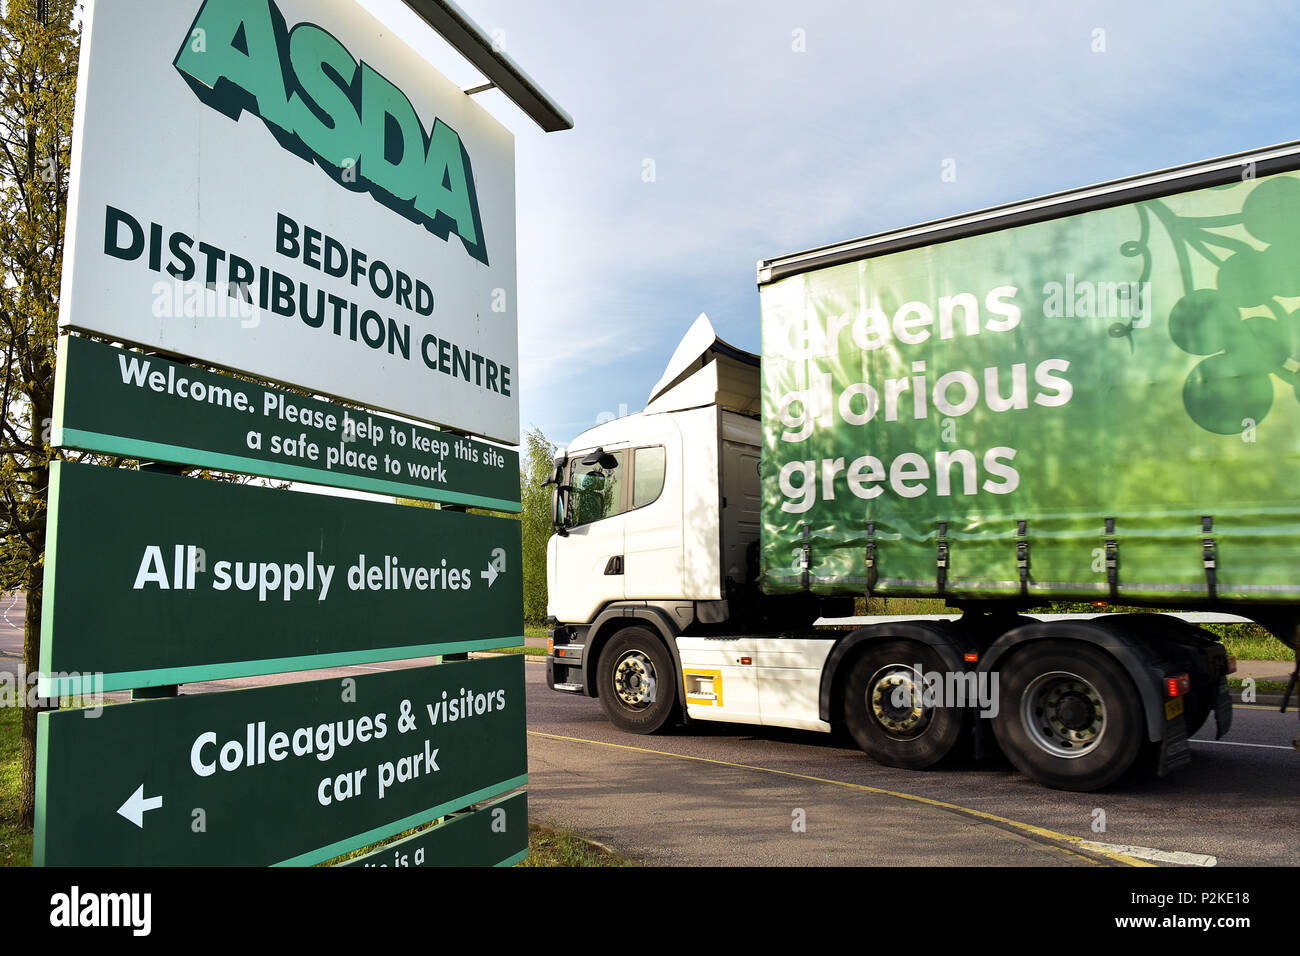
(663, 505)
(657, 519)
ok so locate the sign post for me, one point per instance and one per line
(287, 774)
(306, 201)
(283, 189)
(141, 406)
(185, 580)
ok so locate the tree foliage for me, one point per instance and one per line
(535, 466)
(39, 45)
(534, 469)
(38, 68)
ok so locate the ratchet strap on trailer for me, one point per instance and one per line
(805, 560)
(1112, 560)
(871, 557)
(1022, 556)
(1208, 556)
(941, 575)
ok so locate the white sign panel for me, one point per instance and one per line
(284, 188)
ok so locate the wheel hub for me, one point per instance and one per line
(1063, 714)
(634, 680)
(1075, 711)
(894, 699)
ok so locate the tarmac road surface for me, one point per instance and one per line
(729, 794)
(718, 794)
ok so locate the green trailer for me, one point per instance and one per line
(1093, 396)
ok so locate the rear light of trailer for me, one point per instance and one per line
(1178, 686)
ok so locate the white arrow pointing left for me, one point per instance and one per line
(137, 805)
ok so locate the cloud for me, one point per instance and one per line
(760, 150)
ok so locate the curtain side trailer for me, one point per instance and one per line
(1088, 397)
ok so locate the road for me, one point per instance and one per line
(720, 794)
(725, 794)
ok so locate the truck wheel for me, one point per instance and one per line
(1068, 715)
(636, 682)
(885, 708)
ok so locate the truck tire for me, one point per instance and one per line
(880, 713)
(1068, 715)
(636, 682)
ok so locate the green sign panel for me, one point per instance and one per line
(140, 406)
(288, 774)
(156, 579)
(492, 835)
(1096, 400)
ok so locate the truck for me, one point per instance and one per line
(1089, 397)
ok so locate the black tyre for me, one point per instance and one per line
(637, 683)
(885, 707)
(1068, 715)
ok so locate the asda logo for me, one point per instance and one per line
(323, 105)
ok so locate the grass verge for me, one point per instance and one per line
(901, 606)
(1250, 642)
(548, 846)
(1261, 687)
(531, 651)
(15, 840)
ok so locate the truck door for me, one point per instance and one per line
(653, 534)
(589, 560)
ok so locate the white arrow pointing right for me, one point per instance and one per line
(490, 574)
(137, 805)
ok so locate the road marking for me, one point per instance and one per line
(1234, 743)
(12, 604)
(1040, 832)
(1176, 857)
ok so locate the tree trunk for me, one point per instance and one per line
(31, 657)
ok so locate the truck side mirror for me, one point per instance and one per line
(557, 473)
(559, 509)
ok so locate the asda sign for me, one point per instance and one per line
(323, 105)
(284, 189)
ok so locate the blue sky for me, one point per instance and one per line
(761, 150)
